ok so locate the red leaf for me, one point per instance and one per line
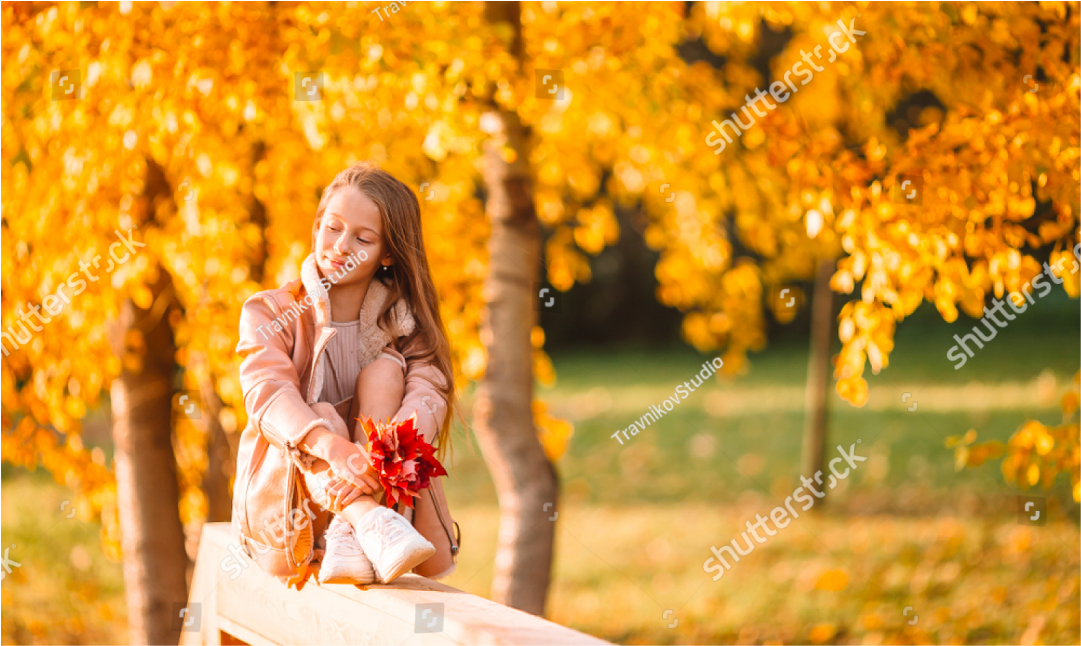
(405, 461)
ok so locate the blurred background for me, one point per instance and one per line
(560, 155)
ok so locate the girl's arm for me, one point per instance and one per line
(271, 385)
(421, 395)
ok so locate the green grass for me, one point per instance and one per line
(741, 434)
(64, 590)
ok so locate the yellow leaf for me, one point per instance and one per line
(833, 581)
(821, 633)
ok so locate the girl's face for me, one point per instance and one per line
(349, 246)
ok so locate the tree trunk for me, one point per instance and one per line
(152, 537)
(220, 453)
(503, 417)
(816, 416)
(222, 447)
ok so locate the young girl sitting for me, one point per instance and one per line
(360, 335)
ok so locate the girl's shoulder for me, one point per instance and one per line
(279, 298)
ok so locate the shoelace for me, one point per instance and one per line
(387, 529)
(340, 539)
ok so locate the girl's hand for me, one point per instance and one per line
(341, 494)
(349, 463)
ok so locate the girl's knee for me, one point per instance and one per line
(382, 374)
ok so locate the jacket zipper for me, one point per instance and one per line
(453, 543)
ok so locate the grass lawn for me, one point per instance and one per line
(64, 590)
(906, 529)
(637, 519)
(744, 434)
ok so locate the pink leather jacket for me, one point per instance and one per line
(283, 335)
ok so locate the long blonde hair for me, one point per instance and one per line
(409, 277)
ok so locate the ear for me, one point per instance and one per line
(387, 261)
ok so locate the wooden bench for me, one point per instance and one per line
(234, 602)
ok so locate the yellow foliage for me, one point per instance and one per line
(1035, 453)
(832, 580)
(554, 433)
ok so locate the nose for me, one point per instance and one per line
(341, 243)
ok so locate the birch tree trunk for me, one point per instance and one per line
(152, 537)
(503, 418)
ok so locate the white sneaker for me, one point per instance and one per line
(393, 545)
(344, 561)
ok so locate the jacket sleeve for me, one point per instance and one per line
(270, 382)
(422, 396)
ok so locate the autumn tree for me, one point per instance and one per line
(95, 97)
(200, 141)
(974, 104)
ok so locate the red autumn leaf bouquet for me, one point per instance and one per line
(405, 461)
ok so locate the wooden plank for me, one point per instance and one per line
(203, 591)
(242, 635)
(379, 614)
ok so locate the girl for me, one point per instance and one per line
(359, 335)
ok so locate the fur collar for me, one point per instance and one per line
(373, 338)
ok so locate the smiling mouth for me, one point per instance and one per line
(337, 264)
